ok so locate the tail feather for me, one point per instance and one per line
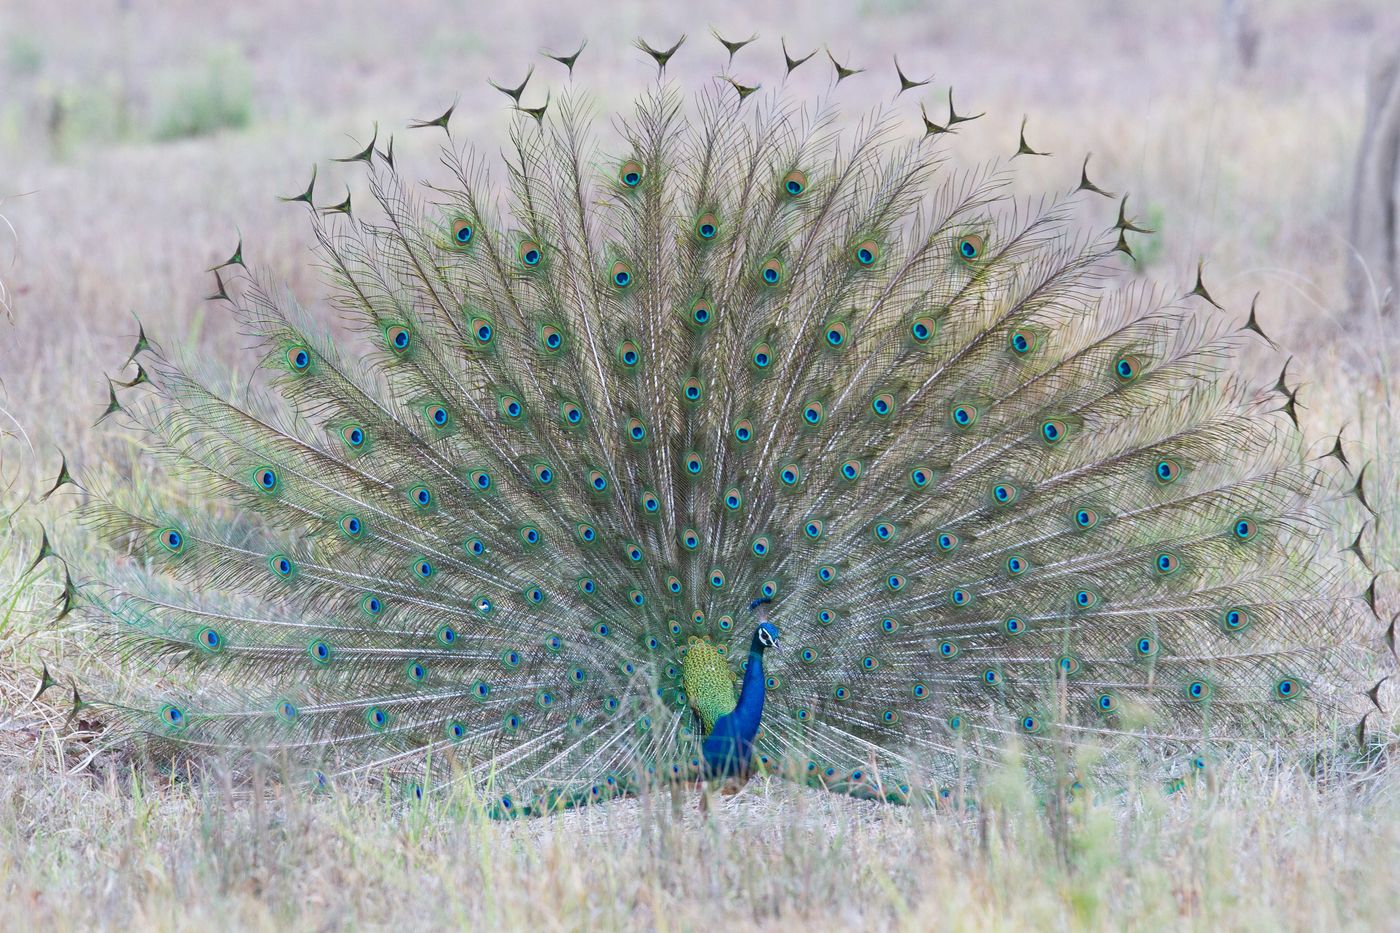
(565, 421)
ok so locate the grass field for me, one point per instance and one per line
(139, 143)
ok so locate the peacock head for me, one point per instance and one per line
(765, 637)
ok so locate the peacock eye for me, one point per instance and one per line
(866, 252)
(530, 254)
(794, 183)
(970, 247)
(462, 231)
(630, 173)
(707, 227)
(771, 272)
(620, 275)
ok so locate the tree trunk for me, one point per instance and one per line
(1374, 270)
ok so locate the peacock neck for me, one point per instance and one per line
(749, 710)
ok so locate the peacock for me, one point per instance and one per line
(741, 439)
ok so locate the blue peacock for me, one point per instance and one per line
(731, 442)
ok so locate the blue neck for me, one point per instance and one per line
(749, 712)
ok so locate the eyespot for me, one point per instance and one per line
(851, 470)
(510, 407)
(1198, 691)
(771, 272)
(630, 174)
(1017, 565)
(1127, 368)
(701, 312)
(884, 532)
(597, 481)
(210, 640)
(628, 354)
(1166, 563)
(1146, 646)
(842, 693)
(415, 671)
(483, 605)
(813, 529)
(551, 338)
(1288, 689)
(794, 183)
(717, 579)
(376, 718)
(353, 435)
(835, 334)
(923, 329)
(889, 626)
(1053, 431)
(172, 539)
(948, 650)
(1167, 471)
(437, 416)
(694, 463)
(1086, 518)
(882, 404)
(299, 358)
(1014, 625)
(634, 553)
(620, 274)
(482, 330)
(789, 474)
(825, 616)
(826, 573)
(371, 605)
(919, 691)
(1245, 528)
(1106, 703)
(423, 568)
(474, 546)
(920, 476)
(530, 254)
(446, 635)
(351, 526)
(1030, 724)
(1022, 341)
(733, 499)
(1236, 619)
(462, 231)
(812, 413)
(991, 677)
(650, 502)
(422, 497)
(587, 586)
(173, 716)
(1005, 493)
(636, 597)
(692, 390)
(725, 623)
(398, 338)
(287, 711)
(970, 247)
(266, 479)
(456, 731)
(319, 651)
(673, 584)
(762, 356)
(690, 539)
(866, 252)
(480, 689)
(282, 565)
(964, 416)
(1085, 599)
(946, 541)
(895, 582)
(769, 589)
(530, 536)
(1067, 664)
(707, 227)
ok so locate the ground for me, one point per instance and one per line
(139, 144)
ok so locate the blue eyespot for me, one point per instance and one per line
(266, 478)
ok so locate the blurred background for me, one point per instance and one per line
(140, 140)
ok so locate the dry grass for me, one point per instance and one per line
(1247, 167)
